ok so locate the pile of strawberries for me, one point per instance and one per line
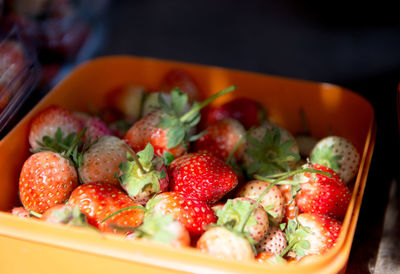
(161, 166)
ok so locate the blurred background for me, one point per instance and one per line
(354, 44)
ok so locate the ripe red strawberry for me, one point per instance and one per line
(324, 232)
(100, 162)
(162, 228)
(146, 131)
(274, 241)
(234, 213)
(48, 121)
(181, 79)
(290, 202)
(99, 200)
(273, 202)
(222, 243)
(46, 179)
(64, 214)
(338, 154)
(20, 212)
(169, 129)
(202, 176)
(247, 111)
(95, 127)
(195, 215)
(323, 195)
(221, 138)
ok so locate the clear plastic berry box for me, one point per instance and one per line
(28, 246)
(19, 73)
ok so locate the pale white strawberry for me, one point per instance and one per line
(273, 201)
(100, 162)
(338, 154)
(274, 241)
(95, 127)
(222, 243)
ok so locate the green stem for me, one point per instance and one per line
(122, 210)
(198, 107)
(35, 214)
(136, 159)
(75, 143)
(235, 148)
(289, 247)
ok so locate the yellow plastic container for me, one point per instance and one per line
(31, 246)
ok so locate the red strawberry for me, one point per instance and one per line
(222, 243)
(274, 241)
(273, 202)
(321, 194)
(46, 179)
(181, 79)
(324, 232)
(170, 128)
(248, 112)
(290, 203)
(48, 121)
(99, 200)
(100, 162)
(221, 138)
(338, 154)
(235, 211)
(195, 215)
(95, 127)
(164, 229)
(202, 176)
(20, 212)
(146, 131)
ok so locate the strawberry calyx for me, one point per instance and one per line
(269, 155)
(179, 123)
(295, 235)
(327, 157)
(142, 170)
(154, 227)
(69, 215)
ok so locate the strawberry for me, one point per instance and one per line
(48, 121)
(202, 176)
(222, 243)
(95, 127)
(181, 79)
(338, 154)
(290, 202)
(268, 257)
(221, 138)
(321, 194)
(143, 175)
(270, 149)
(304, 139)
(46, 179)
(20, 212)
(128, 101)
(11, 61)
(235, 212)
(247, 111)
(100, 162)
(194, 214)
(64, 214)
(99, 200)
(273, 201)
(322, 235)
(273, 242)
(164, 229)
(171, 128)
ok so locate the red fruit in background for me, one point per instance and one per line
(248, 112)
(323, 195)
(11, 61)
(99, 200)
(182, 80)
(221, 137)
(194, 214)
(48, 121)
(202, 176)
(46, 179)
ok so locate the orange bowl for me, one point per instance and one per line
(28, 245)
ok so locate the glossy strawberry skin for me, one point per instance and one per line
(195, 215)
(202, 176)
(324, 195)
(180, 79)
(220, 139)
(48, 121)
(248, 112)
(146, 131)
(99, 200)
(46, 179)
(274, 241)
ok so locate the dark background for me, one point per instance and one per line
(356, 45)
